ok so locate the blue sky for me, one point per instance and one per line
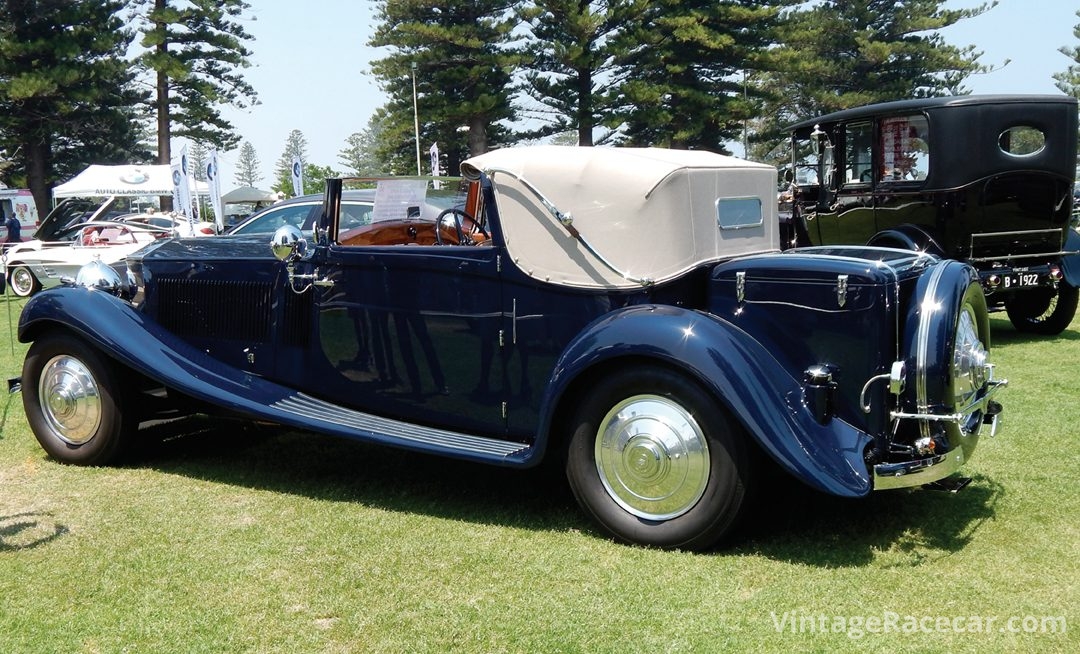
(311, 68)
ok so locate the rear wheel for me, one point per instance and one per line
(22, 281)
(75, 401)
(1043, 311)
(657, 462)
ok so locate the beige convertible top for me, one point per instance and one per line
(644, 215)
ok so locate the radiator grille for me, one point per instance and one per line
(216, 308)
(296, 325)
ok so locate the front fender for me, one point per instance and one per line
(121, 332)
(762, 395)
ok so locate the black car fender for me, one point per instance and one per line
(908, 237)
(1070, 264)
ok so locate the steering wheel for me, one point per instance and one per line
(463, 236)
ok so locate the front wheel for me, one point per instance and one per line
(74, 401)
(657, 462)
(22, 281)
(1043, 311)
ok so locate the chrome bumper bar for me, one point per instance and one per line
(888, 476)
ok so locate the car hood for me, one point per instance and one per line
(243, 246)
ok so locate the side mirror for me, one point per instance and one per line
(288, 244)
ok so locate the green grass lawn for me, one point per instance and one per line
(226, 537)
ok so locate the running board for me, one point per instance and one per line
(396, 432)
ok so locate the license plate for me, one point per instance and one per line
(1020, 280)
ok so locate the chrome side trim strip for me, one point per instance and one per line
(1037, 255)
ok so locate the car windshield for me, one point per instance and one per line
(401, 199)
(356, 207)
(268, 220)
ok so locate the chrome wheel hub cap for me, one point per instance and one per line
(70, 400)
(652, 457)
(971, 369)
(21, 281)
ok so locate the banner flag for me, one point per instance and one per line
(297, 176)
(214, 182)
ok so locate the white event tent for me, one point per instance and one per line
(124, 180)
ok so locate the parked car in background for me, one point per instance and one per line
(176, 225)
(626, 313)
(35, 264)
(302, 212)
(982, 179)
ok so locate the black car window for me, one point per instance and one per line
(858, 162)
(904, 148)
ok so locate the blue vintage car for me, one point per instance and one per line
(627, 312)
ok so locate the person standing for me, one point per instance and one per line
(14, 227)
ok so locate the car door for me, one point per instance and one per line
(851, 216)
(411, 331)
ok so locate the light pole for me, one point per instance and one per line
(416, 119)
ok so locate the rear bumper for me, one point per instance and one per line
(916, 472)
(888, 476)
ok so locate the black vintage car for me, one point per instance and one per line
(983, 179)
(626, 313)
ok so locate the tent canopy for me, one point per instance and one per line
(124, 180)
(248, 194)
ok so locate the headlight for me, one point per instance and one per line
(102, 277)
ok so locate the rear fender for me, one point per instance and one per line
(908, 237)
(740, 371)
(1070, 264)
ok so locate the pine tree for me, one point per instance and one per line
(195, 50)
(1069, 81)
(686, 59)
(247, 166)
(295, 146)
(198, 156)
(839, 54)
(457, 53)
(570, 62)
(359, 154)
(66, 93)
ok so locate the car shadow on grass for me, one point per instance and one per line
(787, 521)
(321, 467)
(792, 522)
(1003, 333)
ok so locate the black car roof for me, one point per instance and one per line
(919, 104)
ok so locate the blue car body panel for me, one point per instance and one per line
(756, 390)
